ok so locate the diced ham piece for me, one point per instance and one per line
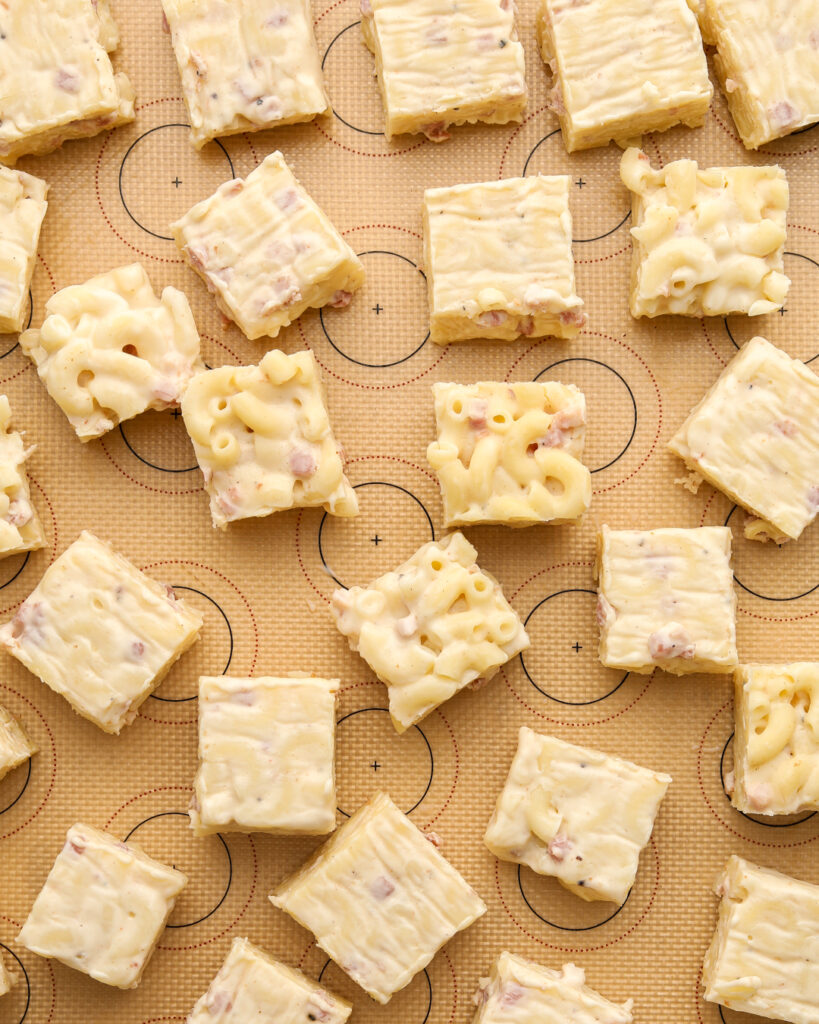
(78, 848)
(573, 316)
(511, 994)
(287, 199)
(137, 650)
(219, 1002)
(813, 496)
(526, 326)
(341, 299)
(559, 847)
(436, 132)
(786, 427)
(671, 642)
(492, 318)
(247, 698)
(302, 464)
(563, 422)
(19, 512)
(477, 414)
(435, 839)
(68, 80)
(783, 114)
(759, 796)
(278, 18)
(381, 888)
(605, 613)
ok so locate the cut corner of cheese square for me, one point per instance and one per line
(618, 91)
(132, 629)
(380, 867)
(498, 257)
(666, 600)
(510, 453)
(440, 67)
(7, 979)
(430, 627)
(251, 985)
(110, 348)
(767, 403)
(266, 755)
(246, 66)
(578, 815)
(763, 957)
(20, 526)
(22, 210)
(266, 250)
(767, 68)
(706, 241)
(263, 439)
(535, 994)
(15, 746)
(700, 9)
(102, 908)
(776, 746)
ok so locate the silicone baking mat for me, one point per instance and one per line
(264, 585)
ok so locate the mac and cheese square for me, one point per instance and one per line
(755, 437)
(252, 986)
(706, 242)
(263, 439)
(20, 527)
(645, 72)
(103, 907)
(15, 747)
(510, 453)
(100, 633)
(666, 600)
(22, 209)
(430, 627)
(266, 756)
(7, 980)
(266, 251)
(764, 958)
(499, 260)
(58, 82)
(776, 742)
(524, 992)
(379, 898)
(245, 65)
(576, 814)
(443, 65)
(767, 63)
(110, 348)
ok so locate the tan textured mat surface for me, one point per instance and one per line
(264, 586)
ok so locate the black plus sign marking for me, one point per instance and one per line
(576, 646)
(783, 311)
(375, 766)
(176, 182)
(377, 308)
(580, 183)
(376, 540)
(175, 413)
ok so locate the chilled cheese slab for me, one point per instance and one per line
(379, 898)
(245, 65)
(15, 746)
(646, 71)
(510, 453)
(103, 907)
(22, 211)
(58, 79)
(763, 958)
(498, 259)
(666, 599)
(99, 632)
(266, 755)
(767, 64)
(266, 251)
(578, 815)
(263, 439)
(444, 65)
(252, 986)
(20, 526)
(776, 741)
(520, 991)
(755, 436)
(706, 241)
(111, 348)
(430, 627)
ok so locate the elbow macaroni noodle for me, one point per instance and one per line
(20, 527)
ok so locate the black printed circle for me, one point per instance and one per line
(26, 980)
(425, 1000)
(23, 788)
(337, 45)
(220, 609)
(25, 328)
(757, 820)
(770, 551)
(172, 443)
(10, 563)
(530, 899)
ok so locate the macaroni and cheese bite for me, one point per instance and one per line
(763, 958)
(510, 453)
(767, 64)
(645, 72)
(20, 527)
(266, 756)
(430, 627)
(100, 633)
(755, 437)
(102, 908)
(520, 991)
(58, 81)
(498, 259)
(379, 898)
(252, 986)
(245, 65)
(263, 439)
(576, 814)
(15, 746)
(266, 251)
(22, 210)
(776, 742)
(444, 65)
(110, 348)
(7, 980)
(706, 241)
(666, 600)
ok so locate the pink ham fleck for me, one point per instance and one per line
(435, 839)
(302, 464)
(759, 796)
(813, 39)
(671, 642)
(197, 62)
(287, 199)
(559, 847)
(381, 888)
(436, 132)
(813, 496)
(247, 698)
(783, 114)
(137, 650)
(78, 848)
(563, 422)
(786, 427)
(29, 622)
(511, 994)
(68, 80)
(198, 257)
(278, 18)
(487, 41)
(526, 326)
(555, 100)
(605, 613)
(166, 28)
(19, 512)
(573, 316)
(366, 8)
(341, 299)
(220, 1002)
(477, 414)
(492, 318)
